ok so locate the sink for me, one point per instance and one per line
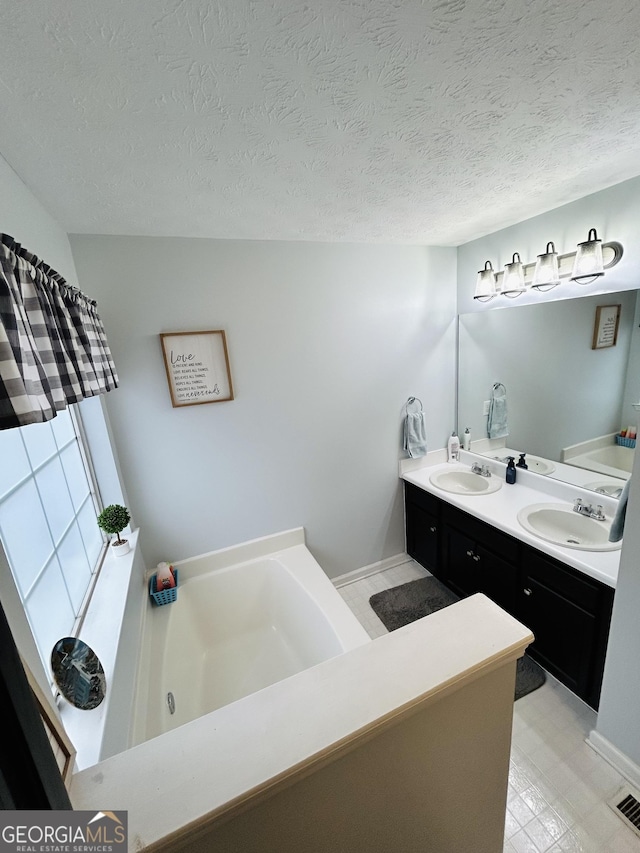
(558, 523)
(540, 466)
(461, 481)
(613, 488)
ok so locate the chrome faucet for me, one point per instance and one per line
(582, 508)
(483, 470)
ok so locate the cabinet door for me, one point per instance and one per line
(498, 579)
(462, 571)
(569, 613)
(565, 633)
(422, 537)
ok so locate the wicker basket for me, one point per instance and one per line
(165, 596)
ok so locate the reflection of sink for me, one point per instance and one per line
(613, 488)
(461, 481)
(560, 524)
(540, 466)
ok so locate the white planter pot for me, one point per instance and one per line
(121, 549)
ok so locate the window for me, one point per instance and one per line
(48, 508)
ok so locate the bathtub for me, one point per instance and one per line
(244, 618)
(602, 455)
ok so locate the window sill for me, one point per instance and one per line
(101, 629)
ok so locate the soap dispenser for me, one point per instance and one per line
(453, 448)
(466, 439)
(521, 462)
(510, 475)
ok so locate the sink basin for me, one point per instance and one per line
(461, 481)
(613, 488)
(558, 523)
(540, 466)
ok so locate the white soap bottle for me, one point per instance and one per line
(466, 439)
(453, 448)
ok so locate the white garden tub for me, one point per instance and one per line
(602, 455)
(245, 617)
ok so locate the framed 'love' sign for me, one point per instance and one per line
(197, 365)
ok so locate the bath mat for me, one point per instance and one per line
(410, 601)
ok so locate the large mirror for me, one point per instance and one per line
(566, 400)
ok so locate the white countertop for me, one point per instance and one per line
(501, 508)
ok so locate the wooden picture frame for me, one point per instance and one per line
(605, 327)
(197, 367)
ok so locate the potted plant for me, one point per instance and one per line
(113, 519)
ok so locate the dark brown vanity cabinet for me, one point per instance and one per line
(422, 518)
(568, 612)
(478, 558)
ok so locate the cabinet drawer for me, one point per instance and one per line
(425, 500)
(499, 543)
(581, 590)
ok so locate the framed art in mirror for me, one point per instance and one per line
(605, 328)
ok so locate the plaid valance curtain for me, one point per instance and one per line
(53, 348)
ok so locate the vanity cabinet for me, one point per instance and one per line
(568, 612)
(478, 558)
(422, 518)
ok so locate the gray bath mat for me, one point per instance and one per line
(410, 601)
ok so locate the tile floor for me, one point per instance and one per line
(558, 786)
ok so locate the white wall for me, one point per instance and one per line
(326, 342)
(619, 713)
(614, 213)
(24, 218)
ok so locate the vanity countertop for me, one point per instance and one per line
(501, 508)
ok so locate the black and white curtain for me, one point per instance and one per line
(53, 348)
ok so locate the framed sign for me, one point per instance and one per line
(197, 365)
(605, 329)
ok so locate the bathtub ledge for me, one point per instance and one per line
(221, 764)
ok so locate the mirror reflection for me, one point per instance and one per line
(566, 402)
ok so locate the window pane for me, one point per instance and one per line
(39, 441)
(75, 566)
(25, 534)
(49, 611)
(76, 475)
(90, 531)
(62, 426)
(55, 497)
(14, 463)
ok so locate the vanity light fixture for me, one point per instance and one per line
(513, 282)
(588, 265)
(486, 287)
(546, 274)
(591, 260)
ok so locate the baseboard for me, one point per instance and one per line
(616, 758)
(373, 569)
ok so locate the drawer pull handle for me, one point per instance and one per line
(469, 553)
(433, 529)
(476, 558)
(527, 591)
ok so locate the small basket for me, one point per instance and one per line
(165, 596)
(625, 442)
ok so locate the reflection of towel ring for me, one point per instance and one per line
(497, 386)
(411, 401)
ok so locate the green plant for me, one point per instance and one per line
(113, 519)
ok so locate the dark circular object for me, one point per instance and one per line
(78, 673)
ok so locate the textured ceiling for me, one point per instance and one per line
(370, 121)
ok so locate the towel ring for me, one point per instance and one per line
(497, 386)
(411, 401)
